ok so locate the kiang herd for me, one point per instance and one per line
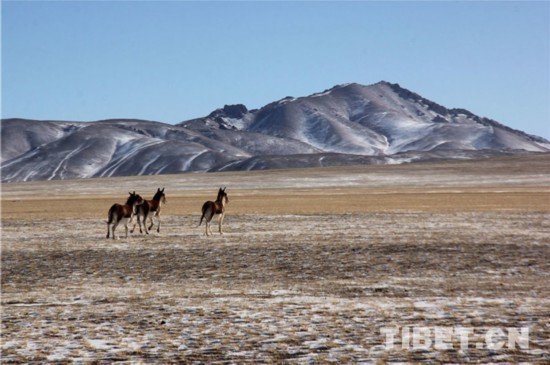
(137, 210)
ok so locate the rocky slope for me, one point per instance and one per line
(347, 124)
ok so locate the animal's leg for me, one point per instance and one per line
(126, 227)
(137, 222)
(158, 223)
(137, 216)
(145, 225)
(208, 215)
(151, 220)
(220, 221)
(114, 228)
(108, 229)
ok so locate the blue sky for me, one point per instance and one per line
(172, 61)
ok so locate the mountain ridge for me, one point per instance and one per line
(345, 124)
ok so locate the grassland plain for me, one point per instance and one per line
(313, 264)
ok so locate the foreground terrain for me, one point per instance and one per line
(313, 264)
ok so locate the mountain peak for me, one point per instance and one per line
(334, 88)
(230, 111)
(348, 123)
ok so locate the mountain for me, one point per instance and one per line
(347, 124)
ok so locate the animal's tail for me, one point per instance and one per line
(204, 206)
(111, 215)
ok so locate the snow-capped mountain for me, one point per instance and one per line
(347, 124)
(380, 119)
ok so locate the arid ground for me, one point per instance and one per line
(313, 263)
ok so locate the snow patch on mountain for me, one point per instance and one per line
(346, 124)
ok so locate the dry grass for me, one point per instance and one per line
(313, 264)
(299, 201)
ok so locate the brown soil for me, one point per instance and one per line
(313, 263)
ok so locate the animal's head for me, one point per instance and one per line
(160, 196)
(134, 199)
(222, 196)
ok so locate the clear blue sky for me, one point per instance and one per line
(172, 61)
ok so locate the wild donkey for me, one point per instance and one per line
(123, 213)
(210, 209)
(150, 209)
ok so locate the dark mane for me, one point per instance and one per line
(132, 199)
(158, 194)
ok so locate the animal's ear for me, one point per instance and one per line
(129, 193)
(162, 190)
(134, 192)
(225, 187)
